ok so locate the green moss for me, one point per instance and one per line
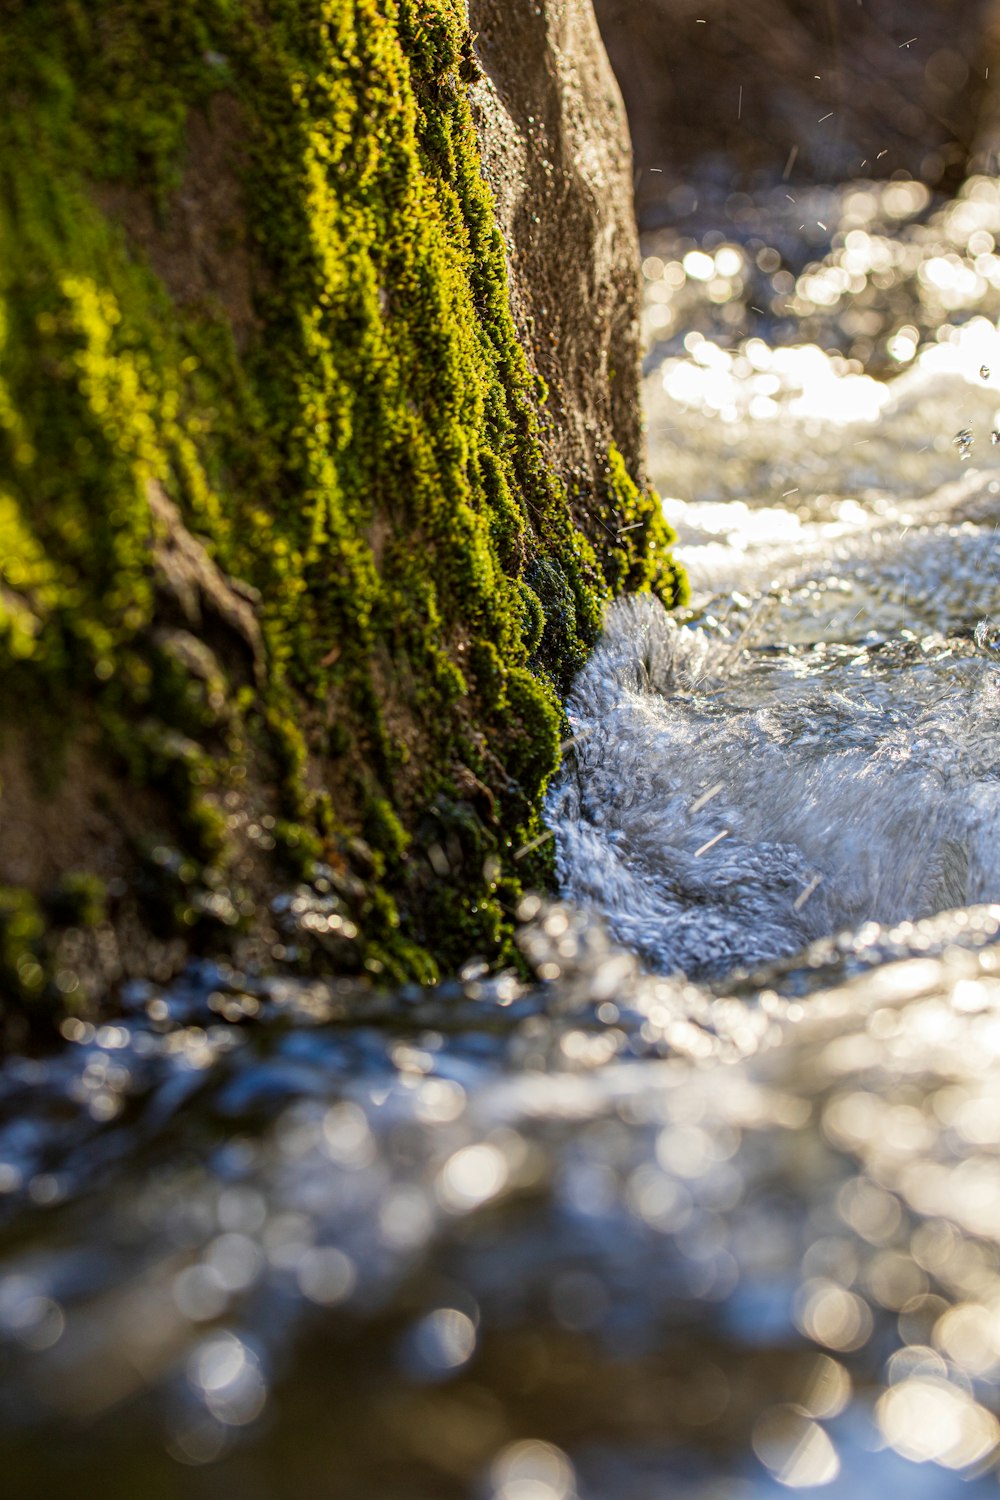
(645, 563)
(22, 932)
(370, 462)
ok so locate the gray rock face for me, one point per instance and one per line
(555, 144)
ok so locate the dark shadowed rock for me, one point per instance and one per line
(725, 91)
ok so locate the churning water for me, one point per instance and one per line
(712, 1210)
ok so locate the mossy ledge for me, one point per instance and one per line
(288, 588)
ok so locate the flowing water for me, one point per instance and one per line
(711, 1210)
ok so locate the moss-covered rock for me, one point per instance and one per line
(288, 578)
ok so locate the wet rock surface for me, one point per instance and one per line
(322, 457)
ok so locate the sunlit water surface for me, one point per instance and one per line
(711, 1211)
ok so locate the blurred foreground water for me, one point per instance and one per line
(712, 1210)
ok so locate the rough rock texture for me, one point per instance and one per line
(725, 90)
(297, 556)
(555, 144)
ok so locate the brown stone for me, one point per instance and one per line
(556, 151)
(247, 765)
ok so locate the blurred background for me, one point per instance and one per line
(736, 95)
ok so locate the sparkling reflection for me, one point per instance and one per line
(710, 1206)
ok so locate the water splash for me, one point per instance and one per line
(711, 1207)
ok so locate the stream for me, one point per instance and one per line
(711, 1211)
